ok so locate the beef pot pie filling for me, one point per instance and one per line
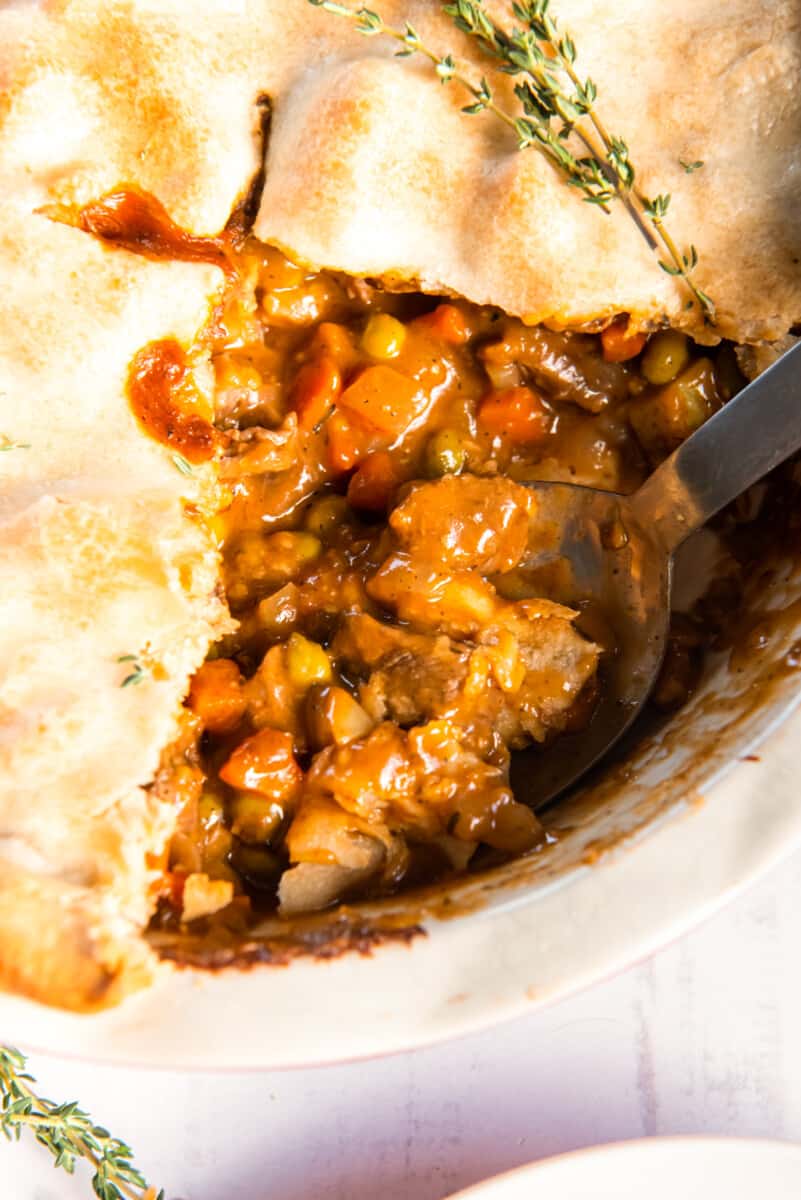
(394, 645)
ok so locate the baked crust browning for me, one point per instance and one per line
(105, 550)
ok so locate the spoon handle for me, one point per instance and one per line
(750, 435)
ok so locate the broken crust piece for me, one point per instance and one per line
(84, 582)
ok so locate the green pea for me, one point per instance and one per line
(665, 357)
(326, 514)
(255, 818)
(445, 454)
(259, 866)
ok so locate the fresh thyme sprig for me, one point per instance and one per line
(68, 1133)
(551, 112)
(545, 59)
(529, 129)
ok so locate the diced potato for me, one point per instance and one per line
(323, 832)
(505, 662)
(457, 852)
(458, 603)
(497, 819)
(203, 896)
(264, 563)
(275, 272)
(337, 341)
(367, 776)
(333, 717)
(303, 305)
(310, 887)
(273, 699)
(278, 613)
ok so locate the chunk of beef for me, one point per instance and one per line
(558, 664)
(410, 676)
(567, 366)
(465, 523)
(519, 680)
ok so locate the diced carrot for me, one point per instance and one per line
(373, 483)
(315, 390)
(264, 763)
(215, 694)
(618, 344)
(347, 443)
(383, 399)
(517, 413)
(336, 341)
(446, 322)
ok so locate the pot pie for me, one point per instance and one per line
(284, 334)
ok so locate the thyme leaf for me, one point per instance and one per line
(68, 1132)
(137, 674)
(689, 167)
(182, 464)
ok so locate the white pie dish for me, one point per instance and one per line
(641, 857)
(573, 923)
(659, 1168)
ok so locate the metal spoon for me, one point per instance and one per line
(620, 551)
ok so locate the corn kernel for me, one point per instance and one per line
(307, 546)
(307, 662)
(383, 336)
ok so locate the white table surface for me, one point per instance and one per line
(703, 1038)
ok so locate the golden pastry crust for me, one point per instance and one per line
(98, 560)
(84, 581)
(371, 169)
(400, 182)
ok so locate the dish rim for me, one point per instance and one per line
(461, 978)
